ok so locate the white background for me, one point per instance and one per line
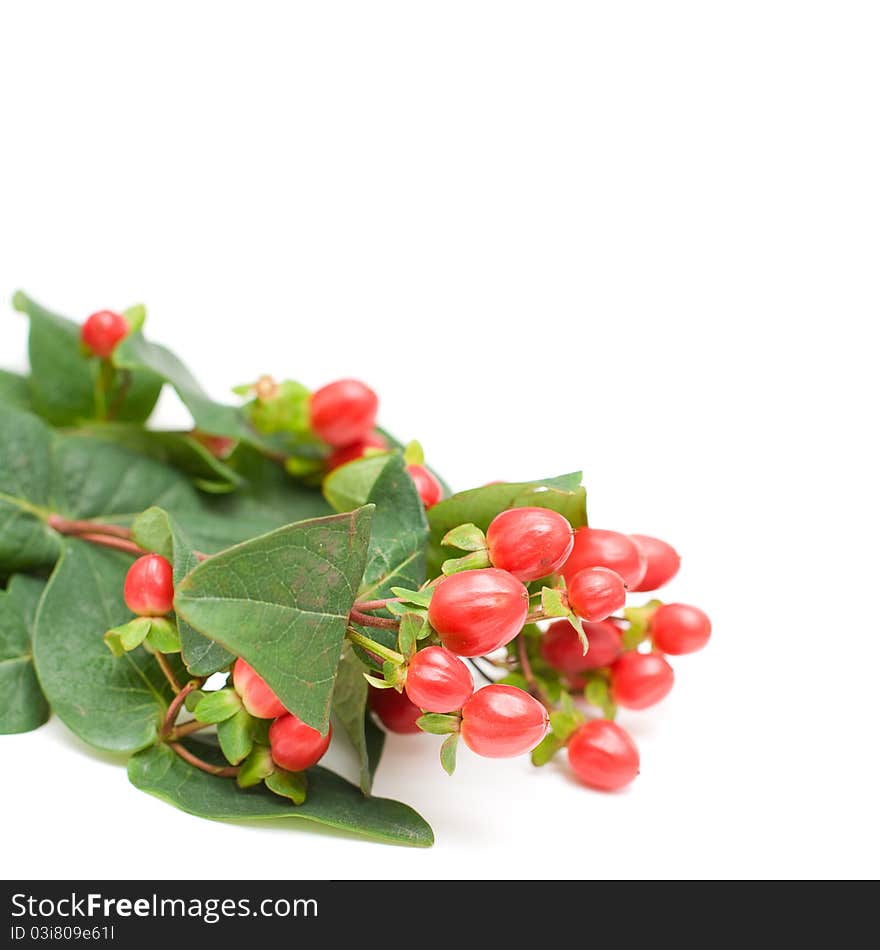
(637, 238)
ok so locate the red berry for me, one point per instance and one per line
(680, 628)
(529, 542)
(149, 586)
(437, 680)
(355, 451)
(594, 547)
(639, 680)
(395, 711)
(103, 332)
(603, 756)
(561, 646)
(256, 696)
(343, 412)
(662, 562)
(476, 612)
(595, 593)
(296, 746)
(500, 721)
(429, 489)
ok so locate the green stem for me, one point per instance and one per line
(103, 385)
(371, 646)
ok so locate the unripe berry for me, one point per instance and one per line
(561, 646)
(149, 586)
(680, 628)
(343, 412)
(395, 711)
(355, 451)
(595, 547)
(595, 593)
(639, 680)
(438, 681)
(430, 490)
(476, 612)
(296, 746)
(256, 696)
(501, 721)
(661, 559)
(103, 332)
(603, 756)
(529, 542)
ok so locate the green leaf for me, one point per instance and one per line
(128, 636)
(399, 531)
(438, 724)
(639, 620)
(236, 736)
(421, 598)
(479, 506)
(546, 749)
(349, 486)
(470, 562)
(564, 724)
(447, 752)
(292, 785)
(163, 636)
(136, 353)
(22, 704)
(62, 379)
(26, 541)
(554, 602)
(597, 693)
(256, 767)
(15, 391)
(281, 601)
(466, 537)
(409, 633)
(332, 801)
(155, 530)
(350, 710)
(218, 706)
(114, 704)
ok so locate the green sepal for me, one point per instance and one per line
(135, 317)
(578, 625)
(378, 683)
(639, 619)
(597, 693)
(218, 706)
(256, 767)
(292, 785)
(410, 632)
(414, 454)
(475, 561)
(447, 752)
(163, 636)
(564, 724)
(546, 749)
(236, 736)
(554, 603)
(421, 598)
(466, 537)
(302, 467)
(260, 730)
(286, 411)
(438, 724)
(400, 610)
(128, 637)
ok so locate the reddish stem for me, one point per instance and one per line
(187, 728)
(365, 620)
(63, 526)
(364, 605)
(174, 706)
(117, 544)
(223, 771)
(166, 669)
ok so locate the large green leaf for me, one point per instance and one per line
(480, 505)
(26, 542)
(282, 601)
(112, 703)
(331, 800)
(349, 486)
(155, 530)
(137, 353)
(15, 391)
(62, 379)
(22, 704)
(350, 711)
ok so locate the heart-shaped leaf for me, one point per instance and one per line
(350, 711)
(22, 704)
(281, 601)
(331, 800)
(112, 703)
